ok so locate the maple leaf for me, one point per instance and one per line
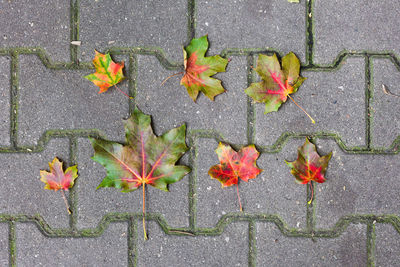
(58, 179)
(108, 73)
(309, 166)
(234, 165)
(277, 84)
(199, 68)
(145, 159)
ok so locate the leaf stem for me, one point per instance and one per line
(312, 120)
(144, 212)
(65, 201)
(240, 203)
(166, 79)
(130, 97)
(312, 193)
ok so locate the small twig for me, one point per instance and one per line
(166, 79)
(312, 193)
(240, 203)
(312, 120)
(181, 232)
(386, 91)
(65, 201)
(130, 97)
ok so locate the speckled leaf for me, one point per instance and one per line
(309, 166)
(276, 83)
(199, 68)
(234, 165)
(145, 159)
(108, 73)
(58, 179)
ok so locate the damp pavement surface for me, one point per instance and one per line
(349, 52)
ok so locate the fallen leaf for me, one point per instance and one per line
(234, 165)
(145, 159)
(58, 179)
(309, 166)
(108, 73)
(277, 84)
(199, 68)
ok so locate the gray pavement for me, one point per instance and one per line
(348, 50)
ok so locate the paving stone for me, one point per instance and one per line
(45, 24)
(386, 108)
(227, 114)
(387, 245)
(354, 25)
(63, 99)
(336, 100)
(20, 179)
(274, 191)
(253, 24)
(5, 101)
(228, 249)
(94, 204)
(4, 248)
(34, 249)
(354, 187)
(133, 24)
(275, 249)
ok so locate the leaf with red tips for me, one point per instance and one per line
(309, 166)
(199, 68)
(234, 165)
(145, 159)
(58, 179)
(108, 73)
(277, 83)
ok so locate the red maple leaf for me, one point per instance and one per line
(234, 165)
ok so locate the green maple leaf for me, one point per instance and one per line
(145, 159)
(277, 83)
(199, 68)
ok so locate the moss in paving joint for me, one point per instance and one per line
(371, 238)
(368, 100)
(191, 26)
(309, 32)
(252, 256)
(73, 194)
(192, 197)
(229, 52)
(132, 242)
(12, 243)
(251, 113)
(132, 81)
(14, 95)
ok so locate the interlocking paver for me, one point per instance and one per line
(274, 249)
(272, 192)
(4, 247)
(133, 24)
(348, 51)
(228, 249)
(5, 101)
(94, 204)
(43, 24)
(354, 187)
(336, 100)
(356, 25)
(63, 99)
(20, 177)
(173, 99)
(387, 245)
(252, 24)
(35, 249)
(385, 108)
